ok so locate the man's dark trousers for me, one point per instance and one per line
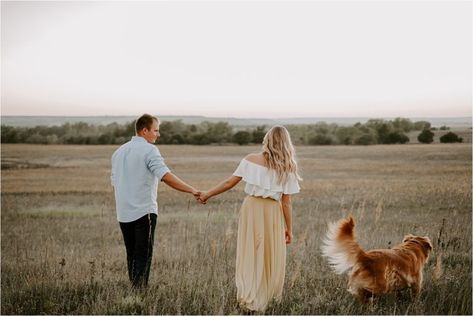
(139, 237)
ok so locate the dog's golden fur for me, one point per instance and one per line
(378, 271)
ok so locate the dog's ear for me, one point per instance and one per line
(428, 242)
(407, 237)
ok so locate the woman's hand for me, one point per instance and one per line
(288, 235)
(204, 196)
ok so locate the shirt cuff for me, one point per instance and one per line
(162, 172)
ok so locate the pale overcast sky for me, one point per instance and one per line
(240, 59)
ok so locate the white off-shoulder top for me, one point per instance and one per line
(261, 181)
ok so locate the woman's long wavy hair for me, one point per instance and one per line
(279, 153)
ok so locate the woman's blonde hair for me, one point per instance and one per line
(279, 153)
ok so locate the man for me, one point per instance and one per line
(137, 168)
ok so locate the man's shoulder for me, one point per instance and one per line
(146, 149)
(123, 146)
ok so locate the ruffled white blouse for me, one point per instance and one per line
(261, 181)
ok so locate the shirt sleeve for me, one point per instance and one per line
(241, 169)
(112, 172)
(292, 185)
(155, 163)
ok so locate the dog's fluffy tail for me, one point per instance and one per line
(340, 246)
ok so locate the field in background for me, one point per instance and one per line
(62, 250)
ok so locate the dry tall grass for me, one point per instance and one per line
(62, 250)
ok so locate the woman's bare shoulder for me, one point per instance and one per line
(257, 158)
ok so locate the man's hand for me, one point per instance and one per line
(204, 196)
(196, 194)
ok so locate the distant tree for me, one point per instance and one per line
(451, 138)
(192, 128)
(300, 134)
(104, 139)
(219, 132)
(322, 128)
(242, 137)
(177, 139)
(365, 139)
(347, 134)
(52, 139)
(383, 129)
(200, 139)
(396, 138)
(176, 132)
(444, 128)
(169, 131)
(129, 129)
(258, 134)
(320, 139)
(9, 134)
(421, 125)
(403, 124)
(426, 136)
(36, 139)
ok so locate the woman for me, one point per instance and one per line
(265, 223)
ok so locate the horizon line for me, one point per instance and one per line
(236, 117)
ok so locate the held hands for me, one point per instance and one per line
(204, 196)
(196, 194)
(200, 196)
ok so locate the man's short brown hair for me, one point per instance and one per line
(145, 121)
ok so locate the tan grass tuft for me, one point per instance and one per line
(438, 270)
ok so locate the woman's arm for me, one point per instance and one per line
(287, 211)
(220, 188)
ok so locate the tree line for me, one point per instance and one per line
(374, 131)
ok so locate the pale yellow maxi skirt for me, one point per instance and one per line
(261, 253)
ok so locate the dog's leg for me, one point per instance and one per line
(416, 286)
(362, 295)
(415, 290)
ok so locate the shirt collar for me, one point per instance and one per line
(138, 139)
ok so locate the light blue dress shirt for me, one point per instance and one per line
(137, 168)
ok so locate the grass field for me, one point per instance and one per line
(62, 250)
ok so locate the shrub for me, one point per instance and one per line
(365, 139)
(177, 139)
(396, 138)
(258, 134)
(200, 139)
(242, 137)
(346, 134)
(426, 136)
(451, 138)
(320, 139)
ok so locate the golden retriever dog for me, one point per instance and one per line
(378, 271)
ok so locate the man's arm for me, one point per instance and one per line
(174, 182)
